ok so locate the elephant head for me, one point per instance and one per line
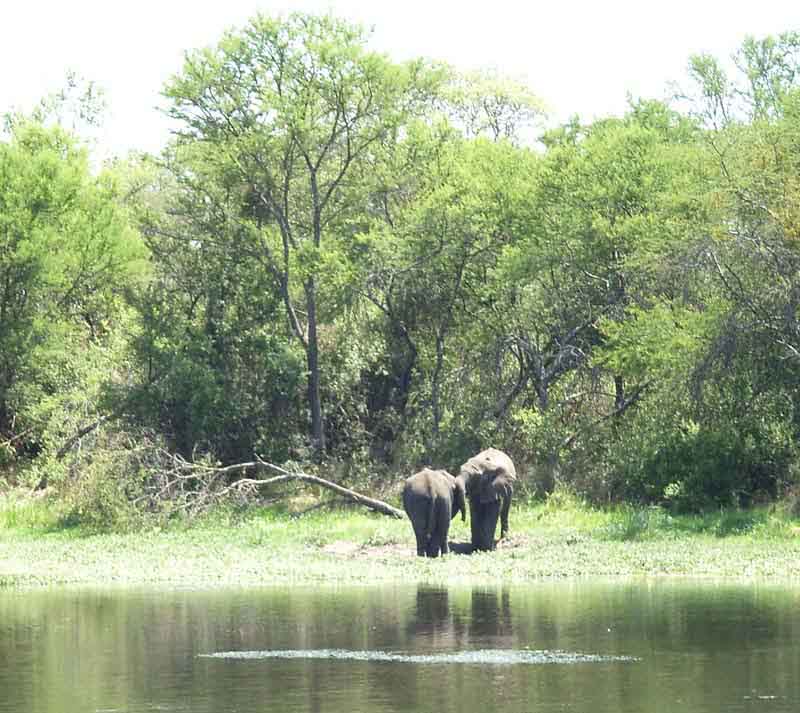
(488, 480)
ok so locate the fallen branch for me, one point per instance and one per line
(371, 503)
(16, 437)
(181, 478)
(72, 440)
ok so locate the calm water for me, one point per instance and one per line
(578, 646)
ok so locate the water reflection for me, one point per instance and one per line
(658, 646)
(491, 613)
(435, 621)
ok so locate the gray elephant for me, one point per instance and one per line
(431, 498)
(488, 480)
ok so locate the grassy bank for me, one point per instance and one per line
(352, 546)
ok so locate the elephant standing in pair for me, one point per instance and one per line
(431, 498)
(488, 479)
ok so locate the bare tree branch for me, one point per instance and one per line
(72, 440)
(204, 480)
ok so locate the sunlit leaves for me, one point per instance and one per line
(67, 254)
(663, 340)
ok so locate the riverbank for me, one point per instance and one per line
(351, 546)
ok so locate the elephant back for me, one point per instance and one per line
(428, 483)
(490, 475)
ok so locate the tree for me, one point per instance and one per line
(295, 112)
(744, 406)
(66, 253)
(486, 103)
(425, 264)
(609, 209)
(219, 371)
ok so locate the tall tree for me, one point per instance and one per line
(296, 111)
(219, 370)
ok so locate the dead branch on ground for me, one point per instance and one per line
(193, 487)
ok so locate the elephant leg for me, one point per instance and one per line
(435, 542)
(432, 545)
(445, 514)
(445, 547)
(438, 541)
(491, 514)
(486, 525)
(422, 540)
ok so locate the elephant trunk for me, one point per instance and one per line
(460, 497)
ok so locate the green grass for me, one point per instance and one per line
(561, 538)
(21, 514)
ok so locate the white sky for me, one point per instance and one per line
(580, 56)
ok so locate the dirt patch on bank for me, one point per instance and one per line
(353, 550)
(346, 549)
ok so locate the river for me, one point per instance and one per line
(658, 645)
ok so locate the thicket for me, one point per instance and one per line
(361, 266)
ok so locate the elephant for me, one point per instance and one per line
(431, 498)
(488, 479)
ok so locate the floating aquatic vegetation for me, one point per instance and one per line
(496, 657)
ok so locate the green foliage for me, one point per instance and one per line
(692, 456)
(486, 103)
(66, 254)
(365, 265)
(660, 340)
(97, 502)
(292, 116)
(630, 523)
(229, 388)
(22, 514)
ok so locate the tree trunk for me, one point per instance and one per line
(542, 394)
(619, 394)
(312, 361)
(436, 405)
